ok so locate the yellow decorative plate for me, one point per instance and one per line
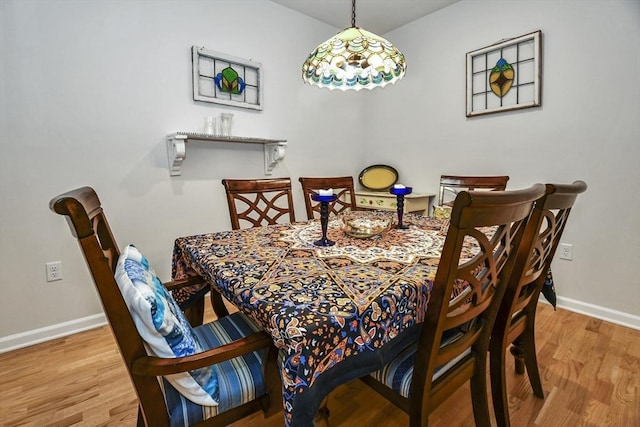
(378, 177)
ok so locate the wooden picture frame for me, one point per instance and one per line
(224, 79)
(505, 76)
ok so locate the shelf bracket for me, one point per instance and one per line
(176, 152)
(273, 154)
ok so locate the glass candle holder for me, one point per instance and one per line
(400, 191)
(324, 201)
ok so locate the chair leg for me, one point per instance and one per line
(518, 356)
(322, 416)
(218, 304)
(479, 398)
(528, 343)
(272, 403)
(195, 313)
(499, 384)
(140, 422)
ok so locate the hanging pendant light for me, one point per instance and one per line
(354, 59)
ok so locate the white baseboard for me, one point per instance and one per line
(25, 339)
(598, 312)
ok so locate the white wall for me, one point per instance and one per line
(588, 128)
(88, 91)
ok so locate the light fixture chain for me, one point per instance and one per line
(353, 13)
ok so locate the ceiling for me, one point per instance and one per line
(377, 16)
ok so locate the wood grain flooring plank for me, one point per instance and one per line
(590, 373)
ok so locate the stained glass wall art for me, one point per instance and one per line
(505, 76)
(225, 79)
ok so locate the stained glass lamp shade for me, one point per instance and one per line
(354, 59)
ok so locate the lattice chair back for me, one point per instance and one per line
(342, 187)
(451, 185)
(257, 202)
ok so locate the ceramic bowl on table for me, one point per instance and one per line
(365, 224)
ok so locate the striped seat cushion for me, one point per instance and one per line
(398, 373)
(240, 380)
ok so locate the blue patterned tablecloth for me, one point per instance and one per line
(337, 312)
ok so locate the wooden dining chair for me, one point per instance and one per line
(453, 344)
(256, 202)
(515, 323)
(456, 183)
(342, 187)
(212, 374)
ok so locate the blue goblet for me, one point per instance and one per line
(400, 192)
(324, 217)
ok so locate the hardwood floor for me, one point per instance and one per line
(590, 373)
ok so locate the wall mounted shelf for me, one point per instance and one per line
(274, 149)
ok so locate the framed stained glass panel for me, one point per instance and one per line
(505, 76)
(225, 79)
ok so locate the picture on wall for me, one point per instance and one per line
(225, 79)
(505, 76)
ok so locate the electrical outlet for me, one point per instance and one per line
(566, 251)
(54, 271)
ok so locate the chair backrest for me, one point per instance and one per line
(546, 225)
(342, 187)
(455, 183)
(515, 322)
(89, 226)
(258, 202)
(467, 290)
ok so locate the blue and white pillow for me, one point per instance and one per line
(163, 326)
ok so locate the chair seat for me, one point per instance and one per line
(240, 380)
(398, 373)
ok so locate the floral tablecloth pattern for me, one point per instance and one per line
(322, 305)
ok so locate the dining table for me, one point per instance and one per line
(335, 313)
